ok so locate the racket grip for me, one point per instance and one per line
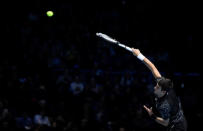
(126, 47)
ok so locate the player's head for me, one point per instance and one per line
(163, 86)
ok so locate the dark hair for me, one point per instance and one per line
(165, 84)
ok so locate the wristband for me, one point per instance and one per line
(141, 57)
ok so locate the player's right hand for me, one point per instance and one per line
(135, 52)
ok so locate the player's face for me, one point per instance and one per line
(157, 90)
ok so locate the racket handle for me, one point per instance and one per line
(125, 47)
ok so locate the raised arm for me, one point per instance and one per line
(147, 62)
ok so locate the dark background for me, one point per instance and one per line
(41, 49)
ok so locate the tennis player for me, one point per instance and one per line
(168, 105)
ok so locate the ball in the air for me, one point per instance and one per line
(50, 13)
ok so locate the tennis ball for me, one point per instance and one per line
(50, 13)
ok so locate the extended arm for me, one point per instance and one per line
(147, 62)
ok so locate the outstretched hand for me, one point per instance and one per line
(149, 110)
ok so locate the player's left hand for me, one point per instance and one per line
(149, 110)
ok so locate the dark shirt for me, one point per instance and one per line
(169, 107)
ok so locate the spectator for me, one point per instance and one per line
(76, 87)
(42, 119)
(24, 122)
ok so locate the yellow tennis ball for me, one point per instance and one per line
(50, 13)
